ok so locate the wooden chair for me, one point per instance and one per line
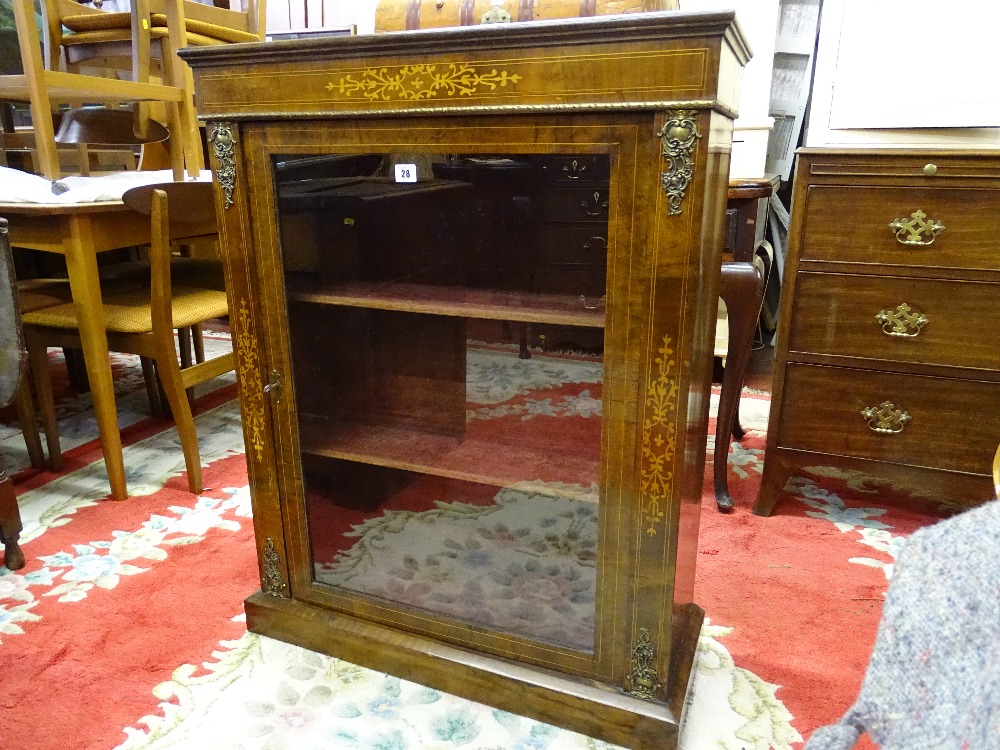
(45, 88)
(145, 42)
(11, 384)
(141, 318)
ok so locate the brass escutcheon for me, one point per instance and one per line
(885, 418)
(271, 581)
(902, 321)
(642, 681)
(917, 229)
(274, 387)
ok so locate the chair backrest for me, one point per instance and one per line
(189, 203)
(100, 126)
(119, 131)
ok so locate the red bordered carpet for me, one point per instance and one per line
(125, 628)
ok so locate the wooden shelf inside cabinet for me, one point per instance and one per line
(454, 457)
(469, 265)
(483, 304)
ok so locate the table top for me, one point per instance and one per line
(60, 209)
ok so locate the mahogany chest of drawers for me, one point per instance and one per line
(888, 356)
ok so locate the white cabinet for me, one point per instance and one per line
(906, 73)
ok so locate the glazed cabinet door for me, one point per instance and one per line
(440, 472)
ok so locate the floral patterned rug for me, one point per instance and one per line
(524, 564)
(125, 629)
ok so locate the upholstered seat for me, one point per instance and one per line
(128, 310)
(116, 27)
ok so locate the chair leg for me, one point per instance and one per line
(742, 290)
(10, 524)
(29, 428)
(185, 337)
(76, 370)
(184, 344)
(152, 387)
(198, 338)
(738, 432)
(39, 360)
(170, 375)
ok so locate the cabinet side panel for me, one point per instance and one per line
(680, 266)
(246, 305)
(710, 197)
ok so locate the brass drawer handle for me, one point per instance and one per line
(902, 321)
(574, 170)
(885, 418)
(599, 206)
(916, 229)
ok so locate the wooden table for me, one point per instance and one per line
(79, 232)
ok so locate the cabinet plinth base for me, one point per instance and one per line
(572, 703)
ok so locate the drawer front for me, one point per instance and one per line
(575, 170)
(852, 224)
(572, 244)
(922, 321)
(952, 424)
(574, 204)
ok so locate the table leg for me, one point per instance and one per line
(81, 264)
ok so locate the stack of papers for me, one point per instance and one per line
(23, 187)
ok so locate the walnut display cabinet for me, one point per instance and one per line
(435, 495)
(887, 365)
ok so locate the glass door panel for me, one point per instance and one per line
(446, 316)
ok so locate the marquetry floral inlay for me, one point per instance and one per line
(251, 390)
(659, 439)
(425, 81)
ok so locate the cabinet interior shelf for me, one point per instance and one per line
(450, 457)
(485, 304)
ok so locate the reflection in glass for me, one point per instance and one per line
(446, 319)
